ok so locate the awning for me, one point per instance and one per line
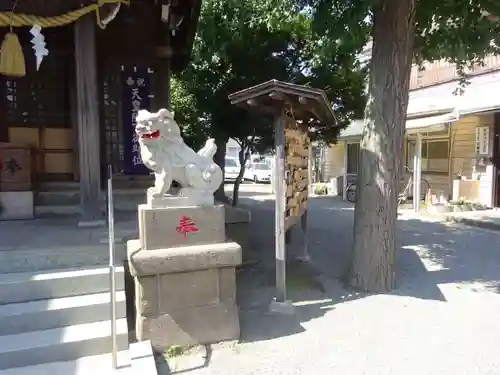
(431, 123)
(418, 123)
(354, 129)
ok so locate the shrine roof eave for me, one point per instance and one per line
(184, 37)
(270, 97)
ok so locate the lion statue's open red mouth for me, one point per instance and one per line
(152, 135)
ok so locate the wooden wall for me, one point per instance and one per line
(437, 72)
(462, 144)
(463, 139)
(334, 161)
(52, 147)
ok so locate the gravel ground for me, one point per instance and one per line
(442, 319)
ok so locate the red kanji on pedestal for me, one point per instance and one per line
(186, 225)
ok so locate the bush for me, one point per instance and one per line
(320, 190)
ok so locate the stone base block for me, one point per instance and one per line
(194, 326)
(167, 227)
(16, 205)
(181, 259)
(281, 308)
(185, 295)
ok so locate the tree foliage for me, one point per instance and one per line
(243, 43)
(186, 114)
(461, 32)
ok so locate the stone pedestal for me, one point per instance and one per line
(16, 205)
(184, 275)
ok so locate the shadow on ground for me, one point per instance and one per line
(430, 255)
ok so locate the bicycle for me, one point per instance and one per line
(402, 197)
(351, 192)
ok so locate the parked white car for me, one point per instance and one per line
(258, 172)
(231, 169)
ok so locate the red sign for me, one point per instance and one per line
(186, 225)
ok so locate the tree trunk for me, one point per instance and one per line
(220, 160)
(374, 246)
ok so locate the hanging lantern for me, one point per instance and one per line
(12, 62)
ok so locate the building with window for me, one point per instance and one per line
(233, 149)
(457, 133)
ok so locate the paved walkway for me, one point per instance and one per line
(63, 231)
(442, 319)
(489, 219)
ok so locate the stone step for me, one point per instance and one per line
(72, 197)
(58, 312)
(57, 198)
(95, 365)
(118, 183)
(72, 210)
(60, 344)
(138, 360)
(33, 286)
(14, 260)
(57, 203)
(59, 186)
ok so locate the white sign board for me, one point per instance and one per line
(482, 140)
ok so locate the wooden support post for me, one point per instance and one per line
(162, 93)
(303, 219)
(88, 122)
(167, 88)
(280, 209)
(309, 169)
(288, 236)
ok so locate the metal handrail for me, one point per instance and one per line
(112, 278)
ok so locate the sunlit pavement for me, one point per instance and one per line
(251, 190)
(442, 318)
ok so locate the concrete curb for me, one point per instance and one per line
(473, 222)
(444, 218)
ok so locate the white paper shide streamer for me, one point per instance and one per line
(39, 45)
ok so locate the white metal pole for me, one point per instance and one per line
(417, 173)
(112, 283)
(344, 180)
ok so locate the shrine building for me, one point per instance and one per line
(89, 66)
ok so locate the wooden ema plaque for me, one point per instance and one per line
(297, 145)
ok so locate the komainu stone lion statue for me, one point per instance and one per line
(164, 152)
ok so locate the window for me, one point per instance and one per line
(261, 167)
(352, 157)
(435, 155)
(231, 162)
